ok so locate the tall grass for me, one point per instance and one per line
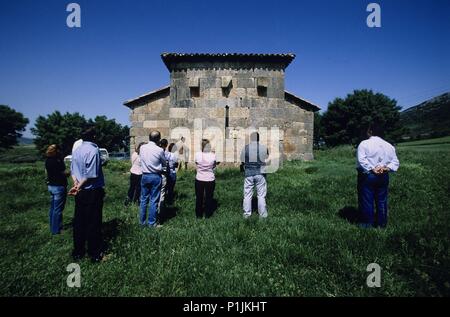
(304, 248)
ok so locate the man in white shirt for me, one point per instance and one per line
(152, 161)
(183, 153)
(376, 158)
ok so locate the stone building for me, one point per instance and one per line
(221, 96)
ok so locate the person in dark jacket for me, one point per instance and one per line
(57, 186)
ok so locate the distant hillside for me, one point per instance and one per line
(25, 141)
(429, 119)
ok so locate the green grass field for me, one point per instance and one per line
(304, 248)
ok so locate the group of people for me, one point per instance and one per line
(153, 177)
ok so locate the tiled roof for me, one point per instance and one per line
(148, 95)
(284, 59)
(309, 105)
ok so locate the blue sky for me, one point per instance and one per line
(115, 55)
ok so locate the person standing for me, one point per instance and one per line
(57, 186)
(205, 162)
(172, 158)
(164, 176)
(152, 161)
(134, 191)
(253, 158)
(88, 189)
(376, 158)
(183, 153)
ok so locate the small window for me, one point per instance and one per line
(195, 92)
(226, 91)
(262, 91)
(227, 116)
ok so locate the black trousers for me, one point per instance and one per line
(87, 222)
(204, 191)
(134, 192)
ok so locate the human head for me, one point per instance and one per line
(163, 143)
(138, 148)
(206, 146)
(89, 134)
(52, 150)
(254, 137)
(375, 129)
(155, 136)
(171, 145)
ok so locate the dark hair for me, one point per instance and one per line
(52, 150)
(163, 143)
(88, 134)
(171, 145)
(205, 142)
(138, 148)
(254, 136)
(155, 136)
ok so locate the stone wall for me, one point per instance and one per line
(240, 95)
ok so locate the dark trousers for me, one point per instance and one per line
(204, 191)
(134, 192)
(372, 189)
(87, 222)
(171, 181)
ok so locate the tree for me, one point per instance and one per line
(110, 134)
(318, 130)
(346, 120)
(12, 123)
(59, 129)
(65, 129)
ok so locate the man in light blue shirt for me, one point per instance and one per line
(376, 158)
(152, 162)
(87, 176)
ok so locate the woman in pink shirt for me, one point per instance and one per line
(205, 162)
(134, 191)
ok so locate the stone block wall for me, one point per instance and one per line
(251, 95)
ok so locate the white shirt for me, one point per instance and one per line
(375, 152)
(182, 147)
(76, 144)
(152, 158)
(172, 158)
(136, 164)
(205, 162)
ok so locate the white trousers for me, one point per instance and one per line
(250, 182)
(162, 197)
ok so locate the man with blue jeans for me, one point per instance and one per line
(152, 162)
(376, 159)
(253, 158)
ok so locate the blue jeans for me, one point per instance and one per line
(58, 201)
(150, 191)
(372, 189)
